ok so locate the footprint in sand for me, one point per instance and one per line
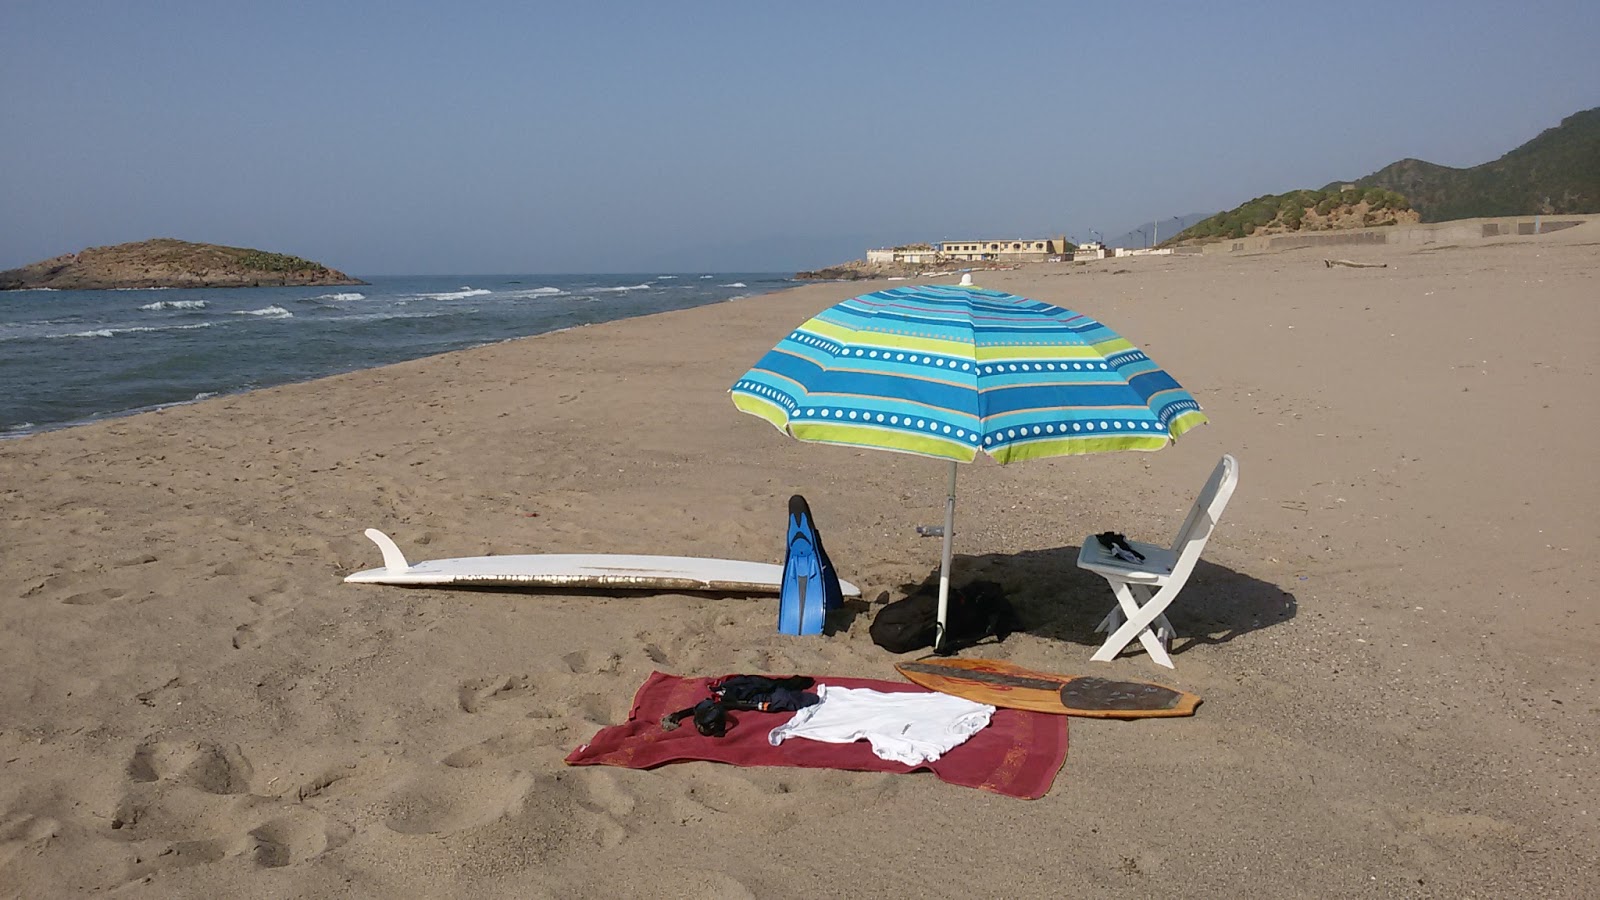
(472, 695)
(95, 598)
(445, 801)
(552, 813)
(592, 662)
(191, 804)
(213, 767)
(503, 746)
(276, 602)
(185, 854)
(25, 832)
(293, 838)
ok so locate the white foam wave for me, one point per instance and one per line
(629, 287)
(206, 395)
(463, 292)
(534, 292)
(270, 312)
(708, 276)
(665, 277)
(174, 304)
(736, 284)
(113, 332)
(353, 295)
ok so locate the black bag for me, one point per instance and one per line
(976, 611)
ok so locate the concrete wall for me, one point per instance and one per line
(1415, 235)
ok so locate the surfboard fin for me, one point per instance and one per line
(393, 560)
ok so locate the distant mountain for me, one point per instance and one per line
(167, 262)
(1555, 173)
(1168, 228)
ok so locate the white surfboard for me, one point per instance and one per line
(580, 570)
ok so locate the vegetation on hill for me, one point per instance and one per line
(1557, 172)
(166, 262)
(1323, 210)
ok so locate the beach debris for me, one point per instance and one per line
(1330, 263)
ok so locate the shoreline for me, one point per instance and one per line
(205, 385)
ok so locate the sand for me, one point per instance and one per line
(1393, 628)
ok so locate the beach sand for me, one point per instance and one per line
(1393, 628)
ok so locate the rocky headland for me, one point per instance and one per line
(170, 263)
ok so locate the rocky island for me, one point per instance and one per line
(171, 263)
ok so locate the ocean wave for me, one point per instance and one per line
(665, 277)
(708, 276)
(174, 304)
(736, 284)
(629, 287)
(270, 312)
(353, 295)
(381, 316)
(206, 395)
(535, 292)
(132, 329)
(463, 292)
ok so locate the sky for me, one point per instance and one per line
(397, 137)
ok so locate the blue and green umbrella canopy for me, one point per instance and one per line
(948, 371)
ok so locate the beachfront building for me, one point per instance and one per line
(914, 254)
(1036, 250)
(1089, 250)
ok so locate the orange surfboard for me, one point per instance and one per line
(999, 683)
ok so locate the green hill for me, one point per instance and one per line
(1557, 172)
(1325, 210)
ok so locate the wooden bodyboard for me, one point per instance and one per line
(604, 571)
(999, 683)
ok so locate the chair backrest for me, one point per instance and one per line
(1205, 513)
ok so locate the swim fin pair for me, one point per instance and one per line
(810, 585)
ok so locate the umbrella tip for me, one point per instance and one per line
(966, 280)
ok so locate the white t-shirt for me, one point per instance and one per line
(912, 728)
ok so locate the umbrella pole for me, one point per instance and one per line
(944, 560)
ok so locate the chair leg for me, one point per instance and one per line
(1111, 622)
(1164, 632)
(1142, 610)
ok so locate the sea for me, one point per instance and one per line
(73, 357)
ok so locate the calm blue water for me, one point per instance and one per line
(70, 357)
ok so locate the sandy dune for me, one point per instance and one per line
(1393, 629)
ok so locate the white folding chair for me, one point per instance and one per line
(1145, 589)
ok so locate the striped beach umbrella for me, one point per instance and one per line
(949, 371)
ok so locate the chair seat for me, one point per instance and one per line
(1156, 568)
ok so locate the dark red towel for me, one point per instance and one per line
(1018, 754)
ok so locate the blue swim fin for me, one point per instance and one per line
(802, 605)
